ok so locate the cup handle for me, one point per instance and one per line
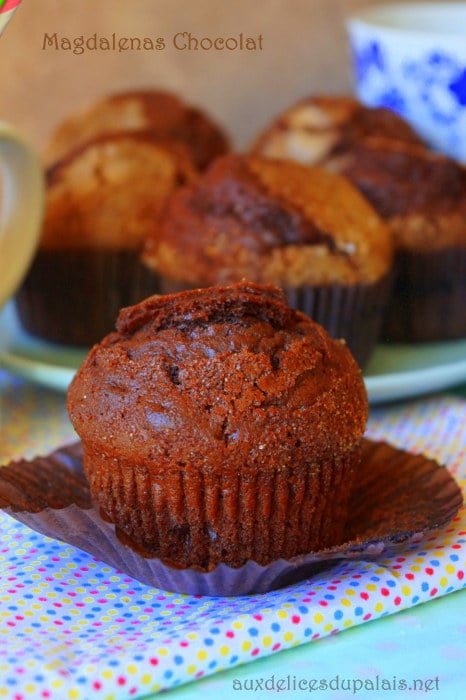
(22, 208)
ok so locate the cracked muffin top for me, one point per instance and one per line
(322, 127)
(97, 198)
(220, 377)
(421, 194)
(162, 113)
(269, 221)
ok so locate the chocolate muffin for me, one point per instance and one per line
(321, 128)
(278, 222)
(162, 113)
(102, 201)
(220, 426)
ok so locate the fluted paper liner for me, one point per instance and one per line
(196, 516)
(53, 301)
(397, 498)
(427, 303)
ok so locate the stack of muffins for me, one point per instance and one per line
(391, 271)
(340, 205)
(220, 424)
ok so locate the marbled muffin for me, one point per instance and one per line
(420, 194)
(102, 202)
(422, 197)
(275, 222)
(220, 425)
(321, 128)
(168, 117)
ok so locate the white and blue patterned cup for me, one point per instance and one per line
(411, 57)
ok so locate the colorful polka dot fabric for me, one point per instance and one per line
(72, 627)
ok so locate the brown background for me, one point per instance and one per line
(305, 50)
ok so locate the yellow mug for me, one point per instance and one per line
(22, 187)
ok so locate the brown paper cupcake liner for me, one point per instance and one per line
(428, 300)
(73, 297)
(397, 498)
(197, 516)
(353, 312)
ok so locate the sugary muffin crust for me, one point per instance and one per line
(173, 355)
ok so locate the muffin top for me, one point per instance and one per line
(218, 377)
(321, 127)
(269, 221)
(160, 112)
(108, 193)
(419, 193)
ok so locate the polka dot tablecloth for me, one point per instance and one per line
(72, 627)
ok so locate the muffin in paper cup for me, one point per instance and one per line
(98, 211)
(420, 195)
(381, 520)
(220, 426)
(303, 229)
